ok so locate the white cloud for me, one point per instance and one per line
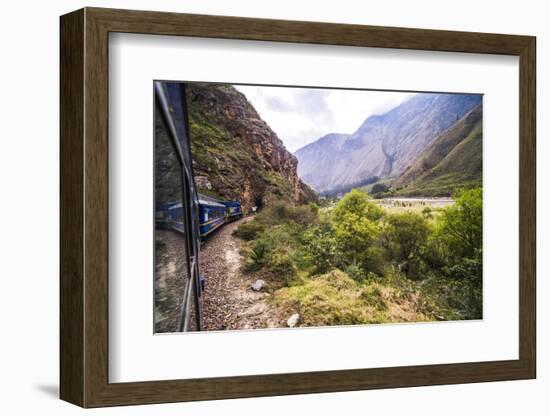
(302, 115)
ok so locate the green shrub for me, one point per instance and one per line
(460, 231)
(372, 296)
(406, 236)
(355, 271)
(467, 268)
(465, 297)
(281, 212)
(356, 226)
(272, 214)
(451, 299)
(357, 203)
(272, 251)
(314, 207)
(261, 251)
(410, 265)
(321, 248)
(461, 226)
(375, 261)
(427, 212)
(336, 299)
(281, 267)
(304, 215)
(249, 230)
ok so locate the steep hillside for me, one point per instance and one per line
(235, 153)
(384, 145)
(453, 160)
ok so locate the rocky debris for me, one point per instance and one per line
(258, 285)
(228, 302)
(203, 182)
(293, 320)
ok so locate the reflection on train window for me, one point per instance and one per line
(192, 311)
(171, 268)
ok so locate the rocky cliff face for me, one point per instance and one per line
(384, 145)
(235, 153)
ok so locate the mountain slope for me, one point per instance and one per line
(454, 159)
(384, 145)
(235, 153)
(320, 153)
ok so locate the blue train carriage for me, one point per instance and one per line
(212, 215)
(233, 210)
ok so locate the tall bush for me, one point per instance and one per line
(406, 235)
(356, 227)
(461, 224)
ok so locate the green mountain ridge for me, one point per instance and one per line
(452, 161)
(384, 145)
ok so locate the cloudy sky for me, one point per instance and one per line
(302, 115)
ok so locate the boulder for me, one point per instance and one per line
(203, 182)
(293, 320)
(258, 285)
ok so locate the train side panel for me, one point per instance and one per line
(233, 210)
(211, 217)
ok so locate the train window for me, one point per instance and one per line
(172, 283)
(192, 309)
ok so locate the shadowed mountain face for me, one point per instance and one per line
(454, 159)
(315, 159)
(385, 145)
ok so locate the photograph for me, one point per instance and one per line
(291, 206)
(259, 203)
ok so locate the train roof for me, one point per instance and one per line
(208, 200)
(210, 203)
(231, 203)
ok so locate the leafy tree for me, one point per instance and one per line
(460, 232)
(321, 247)
(357, 203)
(356, 227)
(406, 235)
(461, 224)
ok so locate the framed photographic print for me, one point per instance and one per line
(256, 207)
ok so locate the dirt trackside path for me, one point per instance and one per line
(228, 301)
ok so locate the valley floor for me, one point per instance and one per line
(396, 204)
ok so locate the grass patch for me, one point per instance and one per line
(336, 299)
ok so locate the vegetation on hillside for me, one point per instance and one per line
(451, 162)
(219, 156)
(384, 145)
(235, 154)
(355, 262)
